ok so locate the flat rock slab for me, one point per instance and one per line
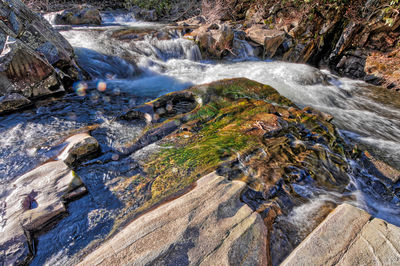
(380, 168)
(12, 102)
(36, 200)
(348, 236)
(208, 225)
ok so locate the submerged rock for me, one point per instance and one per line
(207, 225)
(36, 60)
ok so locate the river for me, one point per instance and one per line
(363, 114)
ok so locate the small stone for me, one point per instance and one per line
(79, 147)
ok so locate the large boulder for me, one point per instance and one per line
(192, 143)
(214, 41)
(35, 60)
(244, 131)
(79, 16)
(272, 40)
(25, 72)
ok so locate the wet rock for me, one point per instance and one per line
(352, 64)
(13, 102)
(348, 236)
(79, 147)
(79, 16)
(207, 225)
(243, 130)
(36, 60)
(270, 39)
(36, 201)
(379, 168)
(214, 42)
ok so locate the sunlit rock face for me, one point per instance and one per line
(35, 60)
(209, 224)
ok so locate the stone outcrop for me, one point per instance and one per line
(206, 225)
(213, 165)
(35, 60)
(348, 236)
(86, 15)
(38, 199)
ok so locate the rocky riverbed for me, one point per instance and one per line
(170, 147)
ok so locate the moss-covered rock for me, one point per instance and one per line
(241, 129)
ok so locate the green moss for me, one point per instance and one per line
(193, 156)
(226, 106)
(234, 89)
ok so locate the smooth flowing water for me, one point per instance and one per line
(127, 72)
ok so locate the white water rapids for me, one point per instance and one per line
(361, 111)
(126, 73)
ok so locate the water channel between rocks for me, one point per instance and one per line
(362, 113)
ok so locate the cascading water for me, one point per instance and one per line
(128, 69)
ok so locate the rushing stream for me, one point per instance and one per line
(363, 114)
